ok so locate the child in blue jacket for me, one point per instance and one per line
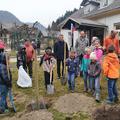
(72, 64)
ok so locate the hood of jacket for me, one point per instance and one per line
(112, 57)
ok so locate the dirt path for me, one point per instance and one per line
(72, 103)
(35, 115)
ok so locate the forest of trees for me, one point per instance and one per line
(60, 19)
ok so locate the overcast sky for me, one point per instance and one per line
(44, 11)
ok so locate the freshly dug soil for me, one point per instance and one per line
(107, 113)
(74, 102)
(35, 115)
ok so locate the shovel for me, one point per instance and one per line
(10, 91)
(64, 78)
(50, 87)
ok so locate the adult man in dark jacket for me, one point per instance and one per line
(59, 50)
(21, 58)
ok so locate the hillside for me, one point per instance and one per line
(8, 19)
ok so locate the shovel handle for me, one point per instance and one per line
(51, 69)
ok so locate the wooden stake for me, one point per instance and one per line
(36, 81)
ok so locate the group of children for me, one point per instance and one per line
(91, 68)
(92, 65)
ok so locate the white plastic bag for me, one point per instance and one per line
(23, 78)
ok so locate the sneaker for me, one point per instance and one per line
(85, 90)
(89, 90)
(97, 98)
(116, 99)
(69, 89)
(109, 102)
(98, 101)
(58, 78)
(72, 91)
(94, 94)
(1, 111)
(6, 111)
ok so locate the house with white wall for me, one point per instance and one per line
(95, 17)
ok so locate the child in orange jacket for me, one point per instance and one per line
(111, 71)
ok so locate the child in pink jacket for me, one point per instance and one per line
(98, 51)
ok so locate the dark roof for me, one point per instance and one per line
(97, 11)
(83, 2)
(78, 13)
(86, 22)
(113, 6)
(93, 2)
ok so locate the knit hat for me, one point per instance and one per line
(93, 56)
(2, 45)
(94, 39)
(48, 49)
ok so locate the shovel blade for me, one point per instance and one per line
(50, 89)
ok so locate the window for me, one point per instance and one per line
(106, 3)
(88, 10)
(117, 27)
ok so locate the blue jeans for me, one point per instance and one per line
(95, 85)
(3, 96)
(112, 89)
(91, 83)
(86, 81)
(71, 81)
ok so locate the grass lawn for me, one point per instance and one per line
(12, 53)
(29, 94)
